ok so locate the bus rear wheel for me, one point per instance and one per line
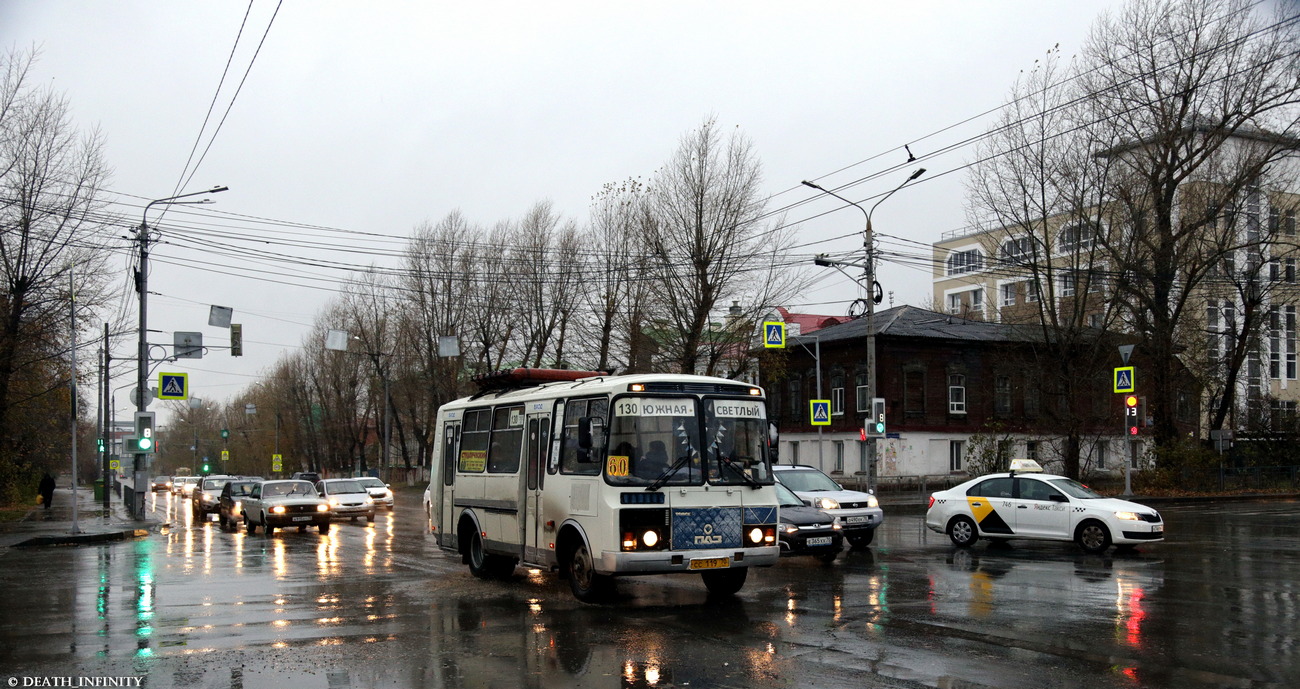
(587, 585)
(725, 582)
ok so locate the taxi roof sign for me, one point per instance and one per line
(1026, 466)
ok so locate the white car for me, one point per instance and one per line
(1026, 503)
(859, 513)
(379, 491)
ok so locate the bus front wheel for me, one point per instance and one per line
(725, 582)
(588, 586)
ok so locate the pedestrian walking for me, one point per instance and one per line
(46, 489)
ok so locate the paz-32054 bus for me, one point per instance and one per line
(601, 476)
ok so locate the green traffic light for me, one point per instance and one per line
(145, 444)
(880, 428)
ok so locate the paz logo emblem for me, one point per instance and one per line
(709, 538)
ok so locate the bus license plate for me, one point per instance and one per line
(819, 540)
(711, 563)
(302, 519)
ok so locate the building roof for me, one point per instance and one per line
(911, 321)
(808, 322)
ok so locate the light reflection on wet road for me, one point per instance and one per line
(378, 605)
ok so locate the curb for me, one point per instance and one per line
(76, 539)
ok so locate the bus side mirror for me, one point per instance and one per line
(591, 434)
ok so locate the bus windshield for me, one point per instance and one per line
(654, 440)
(736, 439)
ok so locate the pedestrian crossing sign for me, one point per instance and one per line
(173, 386)
(774, 334)
(1124, 379)
(821, 412)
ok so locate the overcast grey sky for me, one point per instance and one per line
(372, 117)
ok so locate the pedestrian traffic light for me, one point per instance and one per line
(1131, 416)
(876, 423)
(144, 440)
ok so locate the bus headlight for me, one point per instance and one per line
(650, 538)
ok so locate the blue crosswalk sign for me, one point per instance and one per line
(773, 334)
(1124, 379)
(821, 412)
(173, 386)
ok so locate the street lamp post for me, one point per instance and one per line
(140, 476)
(869, 276)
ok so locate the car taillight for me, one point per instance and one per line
(931, 503)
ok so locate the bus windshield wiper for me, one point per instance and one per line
(668, 473)
(727, 462)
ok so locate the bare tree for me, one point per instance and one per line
(620, 298)
(1194, 102)
(548, 283)
(51, 218)
(1039, 196)
(709, 244)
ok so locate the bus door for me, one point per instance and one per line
(444, 490)
(537, 442)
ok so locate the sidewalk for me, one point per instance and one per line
(54, 526)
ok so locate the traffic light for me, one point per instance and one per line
(876, 423)
(236, 339)
(144, 438)
(1131, 416)
(207, 468)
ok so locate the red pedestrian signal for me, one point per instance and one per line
(1131, 424)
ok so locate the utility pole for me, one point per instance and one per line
(872, 288)
(140, 466)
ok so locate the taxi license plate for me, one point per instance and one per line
(302, 519)
(819, 540)
(856, 520)
(711, 563)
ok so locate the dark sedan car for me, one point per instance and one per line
(805, 530)
(230, 502)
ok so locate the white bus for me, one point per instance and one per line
(601, 476)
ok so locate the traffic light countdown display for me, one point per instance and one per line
(1131, 423)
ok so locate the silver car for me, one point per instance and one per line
(379, 491)
(347, 498)
(858, 512)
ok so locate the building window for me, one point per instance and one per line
(862, 456)
(1033, 400)
(1002, 395)
(796, 398)
(954, 303)
(1032, 292)
(977, 300)
(1096, 320)
(864, 393)
(962, 262)
(1067, 280)
(837, 394)
(794, 451)
(1009, 294)
(914, 393)
(955, 448)
(1031, 449)
(1017, 250)
(1101, 453)
(956, 394)
(839, 456)
(1076, 237)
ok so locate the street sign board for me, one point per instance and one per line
(1124, 379)
(187, 345)
(821, 412)
(173, 386)
(773, 334)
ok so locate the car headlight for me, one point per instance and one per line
(322, 508)
(1127, 516)
(835, 524)
(826, 504)
(334, 501)
(873, 502)
(234, 508)
(369, 501)
(278, 509)
(787, 528)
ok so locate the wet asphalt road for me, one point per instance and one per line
(371, 605)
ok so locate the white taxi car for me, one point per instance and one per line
(1026, 503)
